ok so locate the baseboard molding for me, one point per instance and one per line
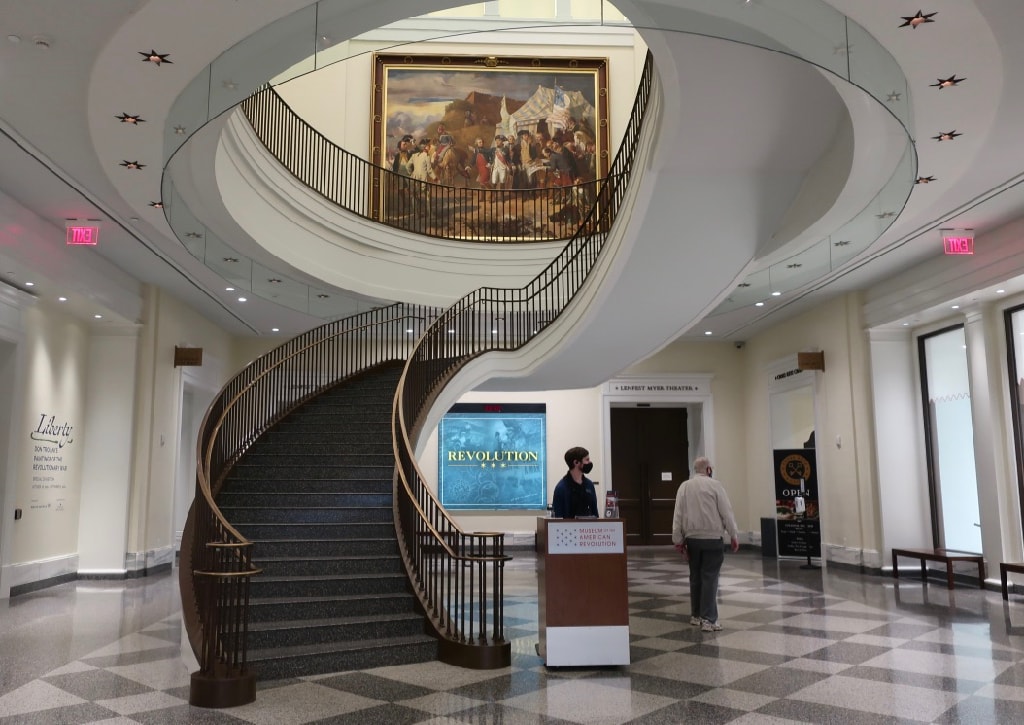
(35, 575)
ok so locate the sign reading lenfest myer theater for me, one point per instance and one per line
(492, 456)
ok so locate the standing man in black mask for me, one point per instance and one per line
(575, 495)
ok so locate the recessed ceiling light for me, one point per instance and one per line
(155, 58)
(956, 307)
(947, 82)
(98, 317)
(918, 19)
(906, 324)
(30, 284)
(229, 289)
(62, 299)
(1000, 291)
(708, 332)
(759, 304)
(275, 329)
(776, 294)
(242, 299)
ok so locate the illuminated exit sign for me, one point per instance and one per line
(87, 234)
(957, 241)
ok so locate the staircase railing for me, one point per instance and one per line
(449, 210)
(458, 576)
(216, 560)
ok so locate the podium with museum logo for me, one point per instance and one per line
(583, 601)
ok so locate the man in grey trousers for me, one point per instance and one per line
(701, 514)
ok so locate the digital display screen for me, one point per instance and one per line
(492, 456)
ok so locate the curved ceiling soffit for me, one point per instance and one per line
(139, 194)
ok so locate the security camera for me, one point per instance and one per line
(739, 344)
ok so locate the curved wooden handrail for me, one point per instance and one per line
(453, 588)
(448, 211)
(216, 560)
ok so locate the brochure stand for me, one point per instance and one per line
(583, 597)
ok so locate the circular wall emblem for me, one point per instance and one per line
(794, 467)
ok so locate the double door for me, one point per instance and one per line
(649, 456)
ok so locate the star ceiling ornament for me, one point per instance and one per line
(841, 243)
(947, 135)
(885, 215)
(924, 179)
(155, 58)
(323, 296)
(947, 82)
(919, 19)
(193, 235)
(794, 265)
(230, 260)
(157, 204)
(274, 280)
(128, 118)
(179, 130)
(893, 96)
(133, 165)
(743, 284)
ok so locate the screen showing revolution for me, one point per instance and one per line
(491, 456)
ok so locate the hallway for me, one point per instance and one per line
(797, 646)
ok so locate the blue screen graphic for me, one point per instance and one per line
(492, 457)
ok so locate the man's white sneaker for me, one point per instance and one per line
(696, 621)
(708, 626)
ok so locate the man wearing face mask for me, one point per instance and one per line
(575, 496)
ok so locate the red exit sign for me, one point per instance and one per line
(82, 234)
(958, 243)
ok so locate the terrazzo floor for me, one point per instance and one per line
(827, 646)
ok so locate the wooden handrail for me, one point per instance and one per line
(449, 211)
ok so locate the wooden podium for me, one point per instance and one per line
(583, 599)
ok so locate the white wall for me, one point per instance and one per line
(107, 467)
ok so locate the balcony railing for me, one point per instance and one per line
(550, 208)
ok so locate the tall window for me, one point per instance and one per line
(1014, 319)
(949, 440)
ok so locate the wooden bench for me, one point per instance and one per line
(944, 556)
(1004, 569)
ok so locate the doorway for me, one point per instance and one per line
(649, 459)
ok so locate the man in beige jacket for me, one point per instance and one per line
(701, 514)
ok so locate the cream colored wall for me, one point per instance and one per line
(246, 349)
(167, 322)
(336, 99)
(847, 480)
(55, 351)
(728, 392)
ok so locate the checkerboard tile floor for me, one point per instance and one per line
(797, 646)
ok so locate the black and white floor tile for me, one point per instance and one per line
(798, 645)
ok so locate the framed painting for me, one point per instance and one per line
(455, 136)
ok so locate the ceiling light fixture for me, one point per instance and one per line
(62, 299)
(179, 130)
(947, 135)
(956, 307)
(924, 179)
(155, 58)
(274, 280)
(841, 243)
(230, 85)
(275, 329)
(708, 332)
(776, 294)
(243, 299)
(193, 235)
(157, 204)
(132, 165)
(98, 317)
(759, 304)
(230, 260)
(1000, 291)
(743, 284)
(130, 119)
(794, 265)
(919, 19)
(229, 289)
(323, 296)
(30, 284)
(947, 82)
(893, 97)
(14, 38)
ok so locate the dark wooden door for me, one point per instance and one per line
(649, 461)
